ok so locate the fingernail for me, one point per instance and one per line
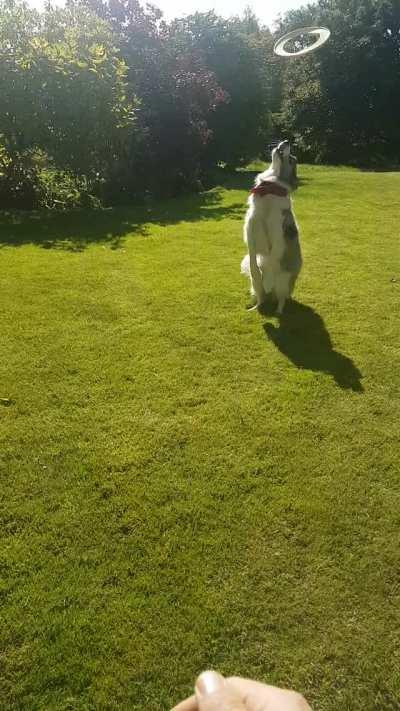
(209, 682)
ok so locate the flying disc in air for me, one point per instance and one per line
(322, 34)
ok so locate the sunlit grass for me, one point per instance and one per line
(185, 484)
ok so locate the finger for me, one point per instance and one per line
(189, 704)
(213, 694)
(262, 697)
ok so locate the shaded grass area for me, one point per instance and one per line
(77, 230)
(185, 484)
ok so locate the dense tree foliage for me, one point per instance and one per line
(237, 52)
(342, 103)
(104, 98)
(203, 84)
(64, 92)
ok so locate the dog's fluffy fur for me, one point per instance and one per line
(274, 260)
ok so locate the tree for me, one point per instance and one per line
(112, 94)
(342, 103)
(177, 91)
(237, 51)
(63, 87)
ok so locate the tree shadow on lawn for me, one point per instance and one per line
(74, 230)
(303, 338)
(239, 180)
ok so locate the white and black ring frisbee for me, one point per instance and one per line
(322, 34)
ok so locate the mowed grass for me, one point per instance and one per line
(185, 484)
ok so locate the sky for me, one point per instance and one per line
(266, 10)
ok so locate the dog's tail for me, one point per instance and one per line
(245, 265)
(267, 274)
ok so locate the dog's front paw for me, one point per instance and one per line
(252, 307)
(255, 302)
(281, 306)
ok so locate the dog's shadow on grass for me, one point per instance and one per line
(303, 338)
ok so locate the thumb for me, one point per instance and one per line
(213, 694)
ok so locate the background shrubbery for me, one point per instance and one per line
(342, 104)
(105, 102)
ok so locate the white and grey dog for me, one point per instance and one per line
(274, 260)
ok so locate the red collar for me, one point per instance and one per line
(268, 188)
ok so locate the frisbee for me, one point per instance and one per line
(322, 34)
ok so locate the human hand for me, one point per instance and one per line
(214, 693)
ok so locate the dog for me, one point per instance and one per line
(274, 259)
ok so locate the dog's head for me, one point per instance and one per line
(284, 165)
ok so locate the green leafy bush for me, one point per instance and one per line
(67, 111)
(342, 103)
(31, 180)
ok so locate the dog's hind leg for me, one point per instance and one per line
(282, 289)
(281, 279)
(251, 230)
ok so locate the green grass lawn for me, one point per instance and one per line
(185, 484)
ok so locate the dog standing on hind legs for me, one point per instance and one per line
(274, 260)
